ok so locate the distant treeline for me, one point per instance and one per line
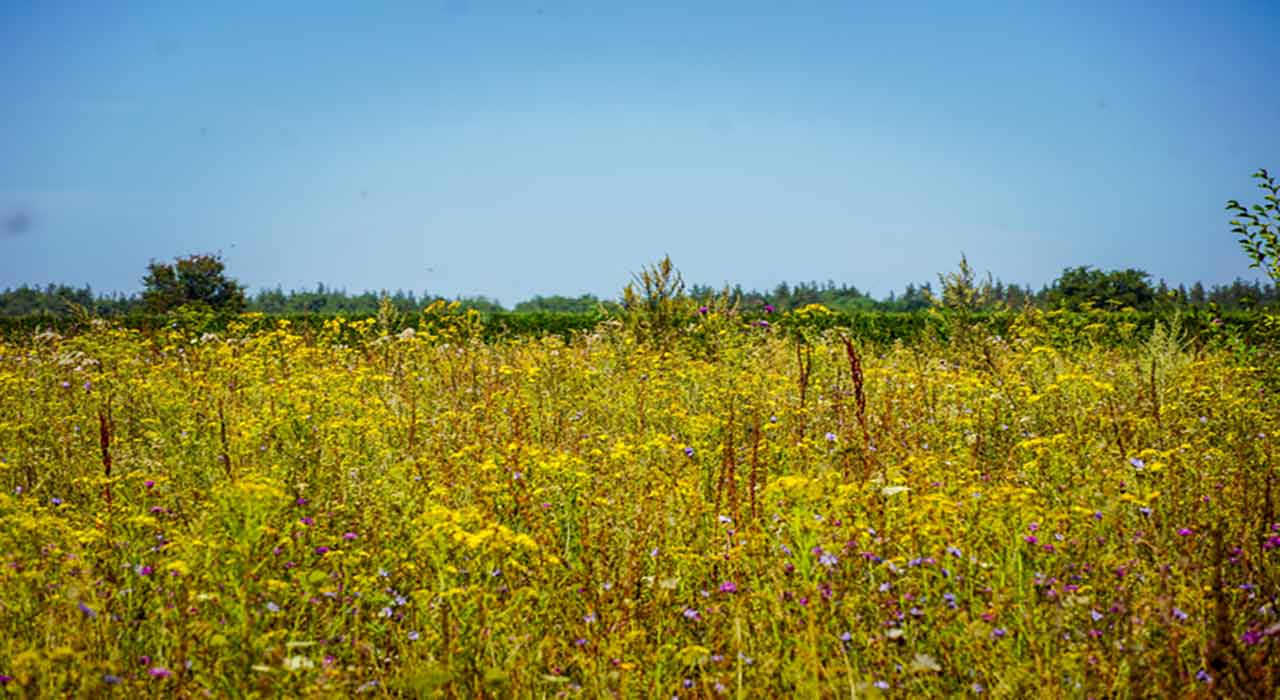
(1077, 288)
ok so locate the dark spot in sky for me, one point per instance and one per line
(165, 46)
(723, 126)
(16, 223)
(1102, 104)
(204, 131)
(364, 193)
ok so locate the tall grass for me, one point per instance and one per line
(738, 510)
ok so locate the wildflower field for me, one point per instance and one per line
(732, 509)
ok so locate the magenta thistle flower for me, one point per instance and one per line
(159, 672)
(728, 587)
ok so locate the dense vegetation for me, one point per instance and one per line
(1074, 289)
(693, 503)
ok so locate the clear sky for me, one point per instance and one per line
(513, 148)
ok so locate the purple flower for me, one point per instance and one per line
(413, 636)
(321, 549)
(831, 437)
(1203, 676)
(110, 679)
(5, 679)
(1030, 539)
(88, 611)
(728, 587)
(1178, 614)
(702, 310)
(348, 536)
(768, 308)
(55, 501)
(691, 614)
(882, 685)
(1186, 532)
(999, 633)
(1251, 637)
(1137, 463)
(159, 672)
(589, 618)
(846, 637)
(828, 559)
(688, 452)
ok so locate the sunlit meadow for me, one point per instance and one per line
(736, 509)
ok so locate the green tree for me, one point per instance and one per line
(196, 280)
(1083, 286)
(1259, 226)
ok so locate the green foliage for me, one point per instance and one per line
(1259, 226)
(655, 306)
(961, 292)
(1088, 288)
(555, 303)
(195, 280)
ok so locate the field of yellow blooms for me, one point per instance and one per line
(736, 510)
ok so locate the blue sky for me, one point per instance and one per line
(515, 148)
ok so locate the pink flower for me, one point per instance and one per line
(728, 587)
